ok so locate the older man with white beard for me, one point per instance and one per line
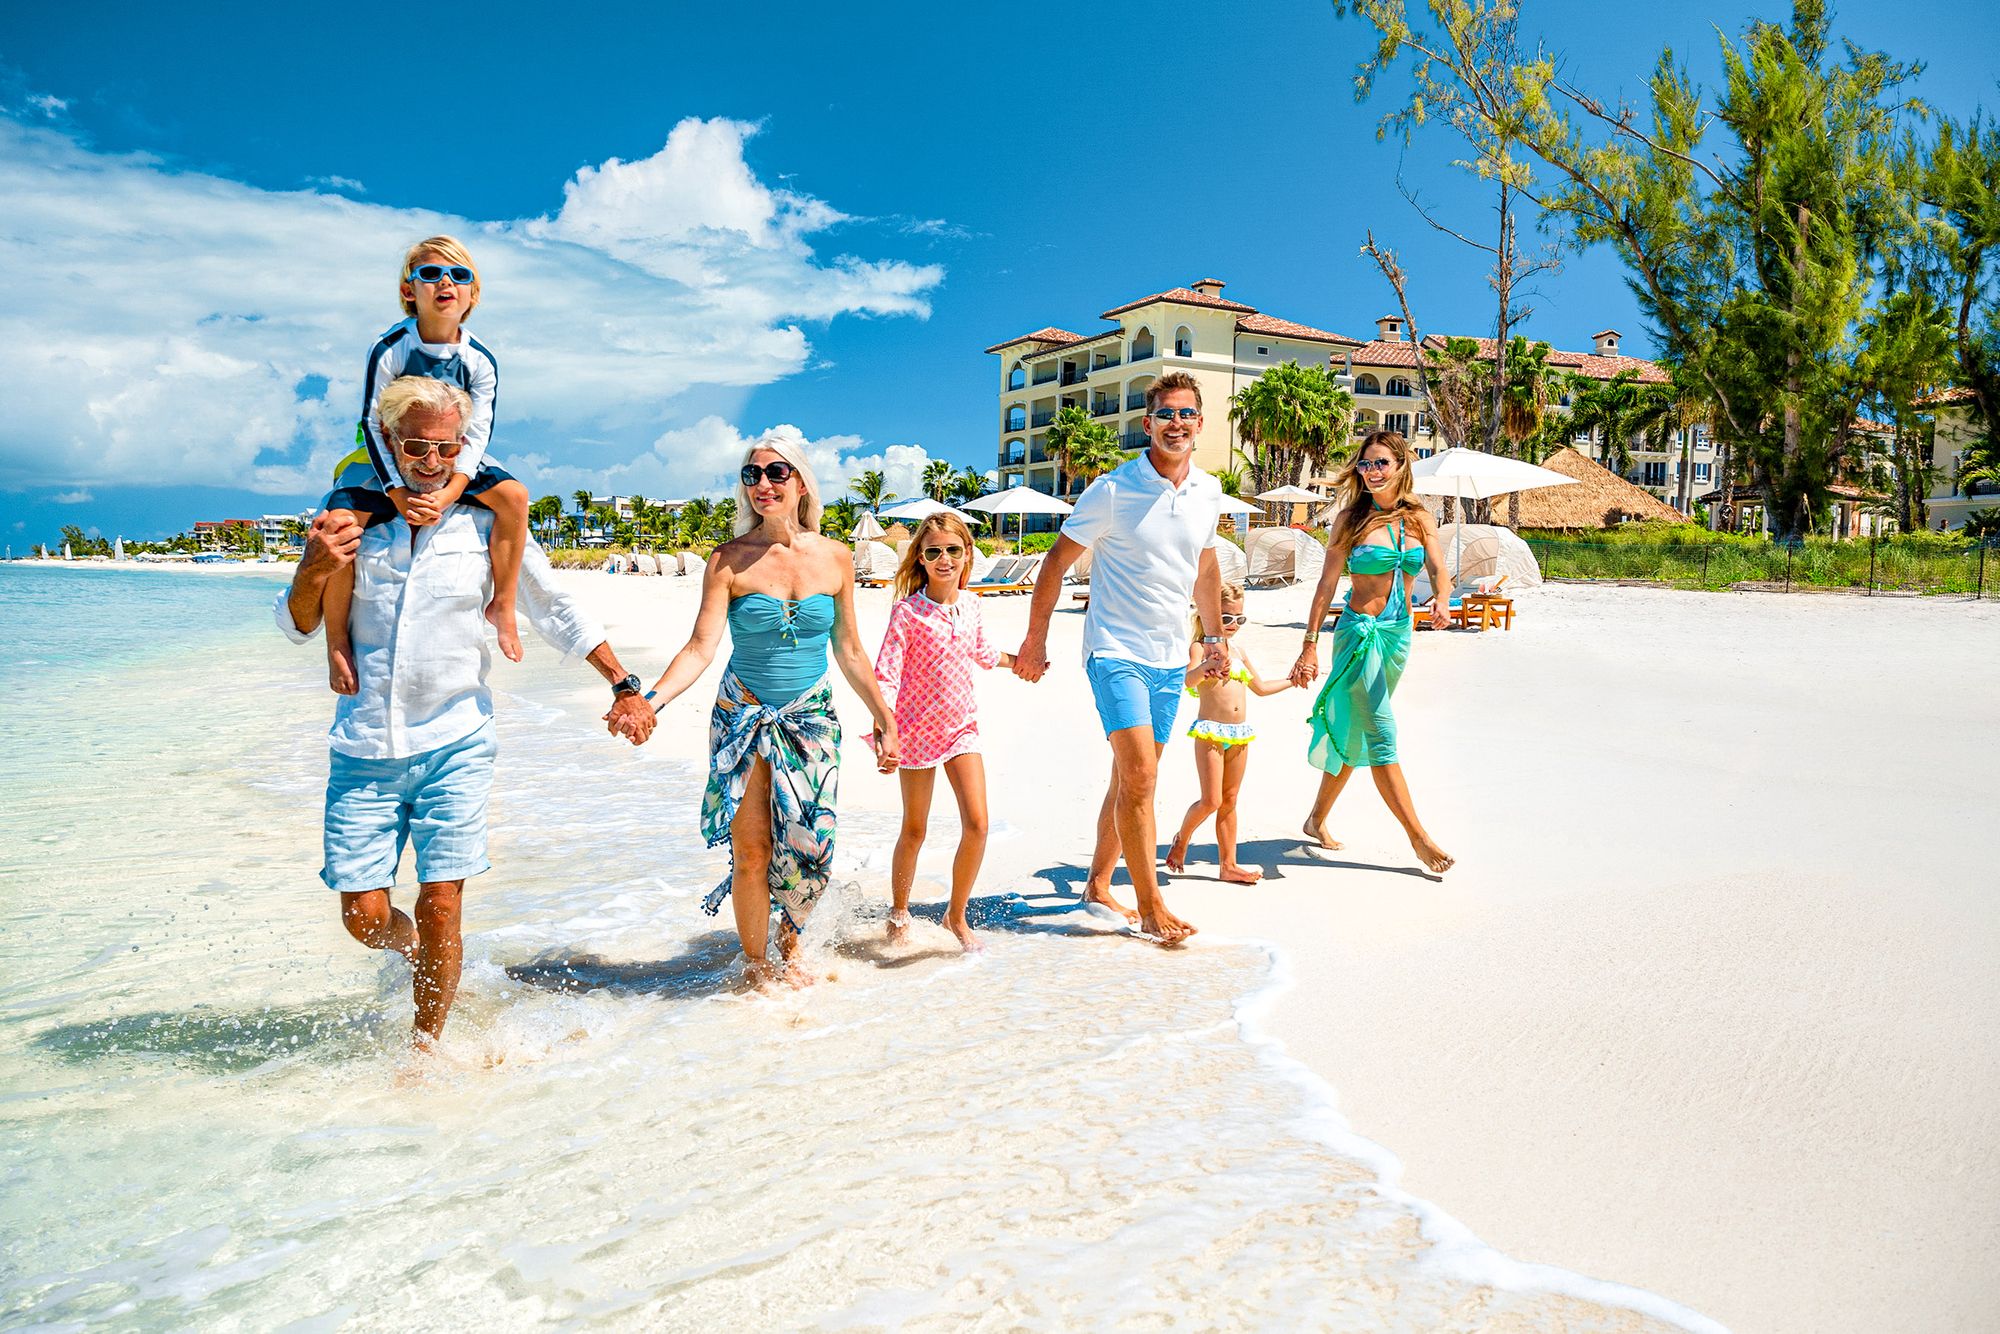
(413, 747)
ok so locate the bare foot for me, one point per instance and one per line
(1165, 929)
(1101, 896)
(503, 625)
(1240, 875)
(1316, 831)
(899, 925)
(340, 671)
(761, 974)
(1434, 858)
(958, 926)
(1177, 854)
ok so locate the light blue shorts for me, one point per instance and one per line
(1132, 694)
(436, 801)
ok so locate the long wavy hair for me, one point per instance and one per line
(1359, 512)
(910, 575)
(810, 508)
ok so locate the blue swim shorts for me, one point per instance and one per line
(1132, 694)
(436, 801)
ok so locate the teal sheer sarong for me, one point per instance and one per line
(800, 740)
(1352, 724)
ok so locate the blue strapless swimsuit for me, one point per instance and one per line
(780, 644)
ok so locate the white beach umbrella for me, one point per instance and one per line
(1473, 474)
(867, 528)
(1021, 500)
(1238, 505)
(1297, 495)
(920, 509)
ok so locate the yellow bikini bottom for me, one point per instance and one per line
(1222, 734)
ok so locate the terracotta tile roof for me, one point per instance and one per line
(1378, 352)
(1277, 328)
(1049, 335)
(1180, 296)
(1075, 344)
(1944, 398)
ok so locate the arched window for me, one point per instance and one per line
(1135, 393)
(1398, 387)
(1367, 384)
(1017, 418)
(1142, 344)
(1366, 420)
(1399, 422)
(1017, 377)
(1014, 454)
(1183, 342)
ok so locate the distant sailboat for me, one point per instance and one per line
(66, 555)
(118, 549)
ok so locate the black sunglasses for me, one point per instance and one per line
(778, 471)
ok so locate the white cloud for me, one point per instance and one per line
(702, 459)
(160, 324)
(78, 497)
(49, 106)
(347, 183)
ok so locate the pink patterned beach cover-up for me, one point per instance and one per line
(925, 669)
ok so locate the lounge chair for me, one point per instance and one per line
(1016, 576)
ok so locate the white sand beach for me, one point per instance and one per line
(1706, 1006)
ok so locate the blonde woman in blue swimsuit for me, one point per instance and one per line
(1381, 537)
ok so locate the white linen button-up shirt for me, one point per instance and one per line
(1145, 537)
(419, 631)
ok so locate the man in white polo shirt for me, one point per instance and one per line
(1150, 526)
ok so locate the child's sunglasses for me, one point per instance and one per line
(779, 472)
(954, 551)
(1233, 618)
(416, 448)
(430, 273)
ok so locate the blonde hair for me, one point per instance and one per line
(1169, 382)
(810, 508)
(408, 393)
(910, 574)
(1230, 593)
(1358, 510)
(451, 251)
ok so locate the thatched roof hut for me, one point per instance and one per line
(1600, 498)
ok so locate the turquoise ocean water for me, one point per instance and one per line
(206, 1118)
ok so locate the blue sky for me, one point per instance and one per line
(816, 218)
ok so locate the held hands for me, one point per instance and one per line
(1306, 669)
(1215, 661)
(632, 718)
(1031, 660)
(886, 758)
(332, 540)
(422, 510)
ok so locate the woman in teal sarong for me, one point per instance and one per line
(787, 596)
(1381, 537)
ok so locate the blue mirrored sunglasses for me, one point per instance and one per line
(1168, 414)
(430, 273)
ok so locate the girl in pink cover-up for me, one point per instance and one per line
(935, 639)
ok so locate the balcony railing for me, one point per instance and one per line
(1132, 440)
(1042, 419)
(1146, 353)
(1045, 376)
(1039, 454)
(1134, 402)
(1012, 458)
(1104, 407)
(1071, 375)
(1107, 364)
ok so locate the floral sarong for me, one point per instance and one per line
(801, 743)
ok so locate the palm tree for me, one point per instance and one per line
(722, 524)
(1296, 421)
(969, 485)
(1524, 404)
(839, 518)
(1082, 449)
(694, 520)
(1231, 480)
(938, 479)
(870, 489)
(582, 499)
(544, 512)
(1615, 407)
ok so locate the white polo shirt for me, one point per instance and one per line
(1145, 537)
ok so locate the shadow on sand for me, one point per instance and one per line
(222, 1041)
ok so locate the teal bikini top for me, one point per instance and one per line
(780, 644)
(1379, 558)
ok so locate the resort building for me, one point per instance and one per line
(1952, 435)
(1224, 344)
(216, 534)
(276, 538)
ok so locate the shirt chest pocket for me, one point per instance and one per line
(455, 573)
(376, 578)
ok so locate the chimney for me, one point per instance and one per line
(1389, 328)
(1605, 342)
(1209, 286)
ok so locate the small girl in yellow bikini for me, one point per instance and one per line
(1221, 741)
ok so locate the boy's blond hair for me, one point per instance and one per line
(448, 250)
(910, 575)
(1230, 593)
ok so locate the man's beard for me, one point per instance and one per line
(415, 487)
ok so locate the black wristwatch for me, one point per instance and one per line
(629, 686)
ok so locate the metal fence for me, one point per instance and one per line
(1871, 566)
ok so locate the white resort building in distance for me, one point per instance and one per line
(1225, 345)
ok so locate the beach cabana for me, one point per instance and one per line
(1079, 573)
(1282, 556)
(1484, 550)
(874, 562)
(1600, 498)
(647, 562)
(1235, 566)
